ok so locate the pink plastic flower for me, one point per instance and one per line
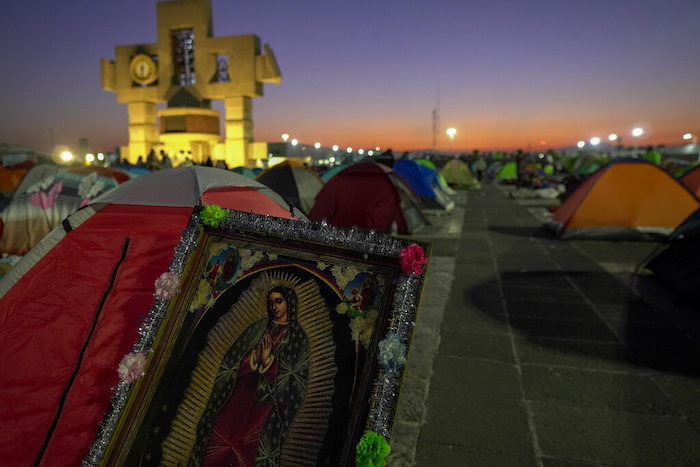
(412, 258)
(167, 285)
(131, 367)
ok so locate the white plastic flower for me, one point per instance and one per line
(392, 352)
(132, 367)
(167, 285)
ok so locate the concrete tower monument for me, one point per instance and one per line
(186, 69)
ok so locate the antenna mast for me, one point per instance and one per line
(436, 120)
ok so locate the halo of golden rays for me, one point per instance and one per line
(305, 436)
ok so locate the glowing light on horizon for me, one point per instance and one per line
(637, 132)
(317, 145)
(595, 141)
(687, 136)
(581, 144)
(66, 156)
(335, 147)
(612, 137)
(295, 142)
(89, 157)
(285, 137)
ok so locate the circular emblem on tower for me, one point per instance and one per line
(143, 69)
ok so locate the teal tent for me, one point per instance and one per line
(245, 171)
(328, 174)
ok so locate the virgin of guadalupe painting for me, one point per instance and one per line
(273, 371)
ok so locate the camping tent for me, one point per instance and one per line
(47, 194)
(245, 171)
(590, 167)
(328, 174)
(424, 182)
(677, 265)
(295, 182)
(368, 195)
(457, 174)
(691, 179)
(625, 199)
(71, 307)
(509, 171)
(653, 156)
(10, 178)
(443, 184)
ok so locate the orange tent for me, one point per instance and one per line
(692, 180)
(10, 178)
(626, 199)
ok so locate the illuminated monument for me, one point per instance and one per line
(188, 68)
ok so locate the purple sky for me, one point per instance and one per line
(510, 73)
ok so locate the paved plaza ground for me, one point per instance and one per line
(529, 350)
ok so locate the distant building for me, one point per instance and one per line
(187, 68)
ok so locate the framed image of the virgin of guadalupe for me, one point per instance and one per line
(270, 342)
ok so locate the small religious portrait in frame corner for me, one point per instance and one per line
(280, 345)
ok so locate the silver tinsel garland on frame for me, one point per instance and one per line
(405, 301)
(385, 392)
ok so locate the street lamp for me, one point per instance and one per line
(580, 144)
(614, 138)
(451, 133)
(285, 137)
(595, 141)
(636, 133)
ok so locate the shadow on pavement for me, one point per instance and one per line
(528, 231)
(595, 315)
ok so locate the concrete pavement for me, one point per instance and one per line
(529, 350)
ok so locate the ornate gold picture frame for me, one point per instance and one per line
(270, 342)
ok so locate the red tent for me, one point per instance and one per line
(368, 195)
(70, 308)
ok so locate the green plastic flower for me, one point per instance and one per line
(213, 214)
(372, 450)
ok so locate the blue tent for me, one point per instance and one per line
(425, 183)
(419, 177)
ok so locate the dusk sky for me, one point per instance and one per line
(509, 73)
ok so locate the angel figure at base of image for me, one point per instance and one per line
(219, 275)
(359, 305)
